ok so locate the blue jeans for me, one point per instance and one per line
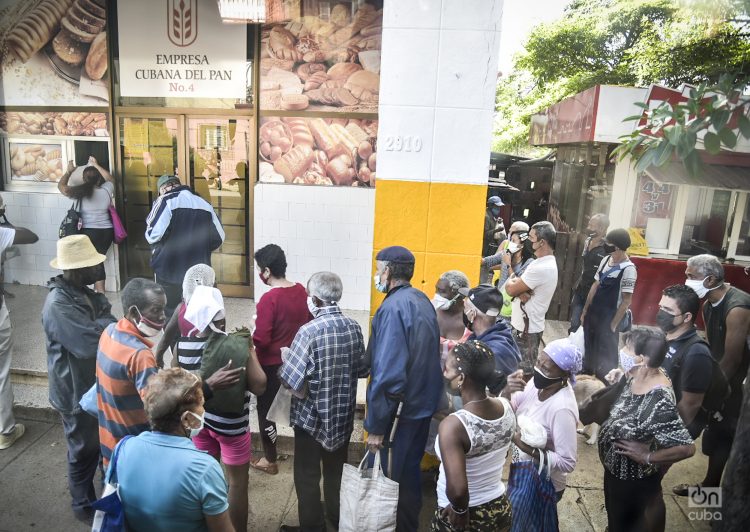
(408, 448)
(576, 309)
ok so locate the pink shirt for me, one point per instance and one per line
(559, 417)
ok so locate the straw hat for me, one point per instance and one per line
(74, 252)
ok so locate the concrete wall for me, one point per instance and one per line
(319, 228)
(42, 213)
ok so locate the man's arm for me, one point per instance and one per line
(297, 365)
(737, 327)
(24, 236)
(158, 221)
(627, 298)
(72, 327)
(689, 405)
(515, 286)
(589, 299)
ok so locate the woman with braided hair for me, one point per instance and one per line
(472, 445)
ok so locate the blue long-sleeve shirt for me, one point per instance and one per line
(499, 338)
(405, 350)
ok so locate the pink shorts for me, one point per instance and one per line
(233, 450)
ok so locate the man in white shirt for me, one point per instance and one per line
(10, 431)
(532, 293)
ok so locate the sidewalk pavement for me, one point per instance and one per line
(33, 485)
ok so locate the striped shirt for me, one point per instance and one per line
(190, 353)
(124, 362)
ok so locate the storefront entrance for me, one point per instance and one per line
(212, 155)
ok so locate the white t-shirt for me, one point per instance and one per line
(95, 210)
(541, 277)
(6, 240)
(627, 281)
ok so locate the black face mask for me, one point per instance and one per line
(541, 381)
(609, 248)
(665, 321)
(467, 323)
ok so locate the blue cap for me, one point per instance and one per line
(495, 200)
(395, 254)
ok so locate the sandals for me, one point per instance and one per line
(272, 468)
(682, 489)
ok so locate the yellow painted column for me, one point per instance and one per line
(437, 93)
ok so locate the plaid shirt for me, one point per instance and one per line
(325, 355)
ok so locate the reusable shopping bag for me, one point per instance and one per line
(110, 515)
(532, 497)
(369, 499)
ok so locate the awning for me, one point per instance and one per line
(714, 176)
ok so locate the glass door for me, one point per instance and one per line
(218, 170)
(149, 148)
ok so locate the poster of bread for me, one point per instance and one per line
(72, 124)
(32, 161)
(54, 52)
(318, 151)
(326, 59)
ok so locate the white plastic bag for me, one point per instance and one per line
(369, 499)
(576, 338)
(280, 411)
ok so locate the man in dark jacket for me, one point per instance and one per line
(74, 317)
(405, 368)
(482, 306)
(593, 253)
(182, 229)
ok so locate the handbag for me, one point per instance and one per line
(369, 499)
(532, 496)
(89, 403)
(117, 226)
(626, 323)
(110, 515)
(596, 408)
(72, 223)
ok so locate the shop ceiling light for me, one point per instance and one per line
(242, 11)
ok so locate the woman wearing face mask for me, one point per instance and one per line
(280, 313)
(643, 433)
(519, 255)
(472, 444)
(607, 302)
(165, 483)
(548, 400)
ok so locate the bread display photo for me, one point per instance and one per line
(35, 162)
(318, 151)
(333, 62)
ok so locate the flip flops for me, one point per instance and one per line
(270, 468)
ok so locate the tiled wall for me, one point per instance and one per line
(42, 214)
(319, 228)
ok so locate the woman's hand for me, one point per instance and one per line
(71, 166)
(458, 521)
(515, 383)
(92, 161)
(614, 376)
(506, 258)
(635, 450)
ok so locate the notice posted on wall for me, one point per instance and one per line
(189, 52)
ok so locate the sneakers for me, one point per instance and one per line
(6, 440)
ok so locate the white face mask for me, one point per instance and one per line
(148, 328)
(194, 432)
(698, 287)
(627, 361)
(513, 247)
(441, 303)
(383, 288)
(311, 307)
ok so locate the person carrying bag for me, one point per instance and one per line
(110, 514)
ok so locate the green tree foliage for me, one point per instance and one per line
(620, 42)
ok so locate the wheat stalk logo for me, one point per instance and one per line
(182, 22)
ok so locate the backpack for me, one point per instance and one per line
(718, 390)
(220, 349)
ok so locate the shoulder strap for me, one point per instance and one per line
(113, 463)
(679, 355)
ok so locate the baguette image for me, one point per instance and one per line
(295, 163)
(37, 28)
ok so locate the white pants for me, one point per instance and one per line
(7, 421)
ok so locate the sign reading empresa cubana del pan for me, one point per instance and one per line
(180, 48)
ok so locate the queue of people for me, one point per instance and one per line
(464, 377)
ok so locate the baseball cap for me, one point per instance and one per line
(163, 180)
(495, 200)
(485, 297)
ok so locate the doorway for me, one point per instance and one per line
(211, 154)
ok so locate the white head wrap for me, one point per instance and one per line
(205, 307)
(198, 275)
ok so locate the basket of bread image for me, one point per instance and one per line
(323, 64)
(34, 162)
(76, 29)
(78, 124)
(318, 151)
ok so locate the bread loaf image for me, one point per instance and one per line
(37, 28)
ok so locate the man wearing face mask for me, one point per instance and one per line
(726, 314)
(481, 308)
(73, 318)
(607, 302)
(593, 254)
(494, 233)
(125, 361)
(405, 368)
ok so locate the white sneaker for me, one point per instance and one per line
(6, 440)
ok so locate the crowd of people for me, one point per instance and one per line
(462, 382)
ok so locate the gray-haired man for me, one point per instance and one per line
(321, 369)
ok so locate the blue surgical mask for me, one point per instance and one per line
(195, 431)
(379, 286)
